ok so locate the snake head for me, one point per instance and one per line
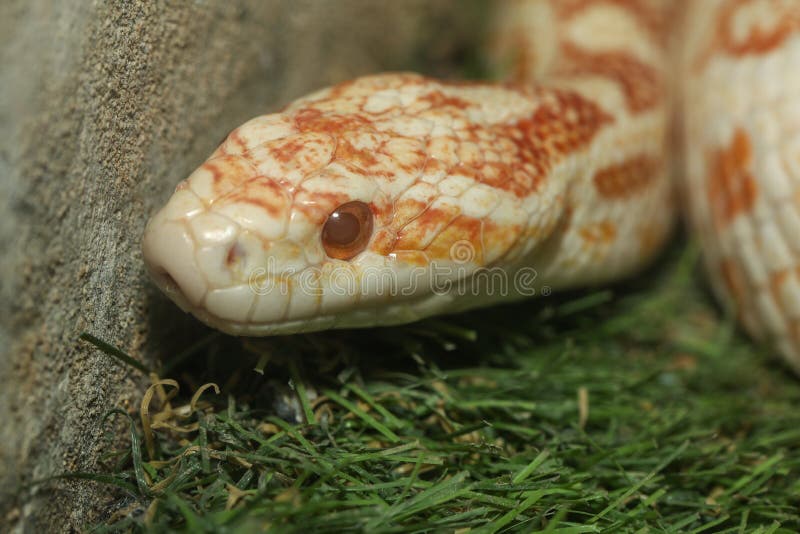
(252, 241)
(356, 206)
(290, 225)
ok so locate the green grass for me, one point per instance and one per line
(634, 409)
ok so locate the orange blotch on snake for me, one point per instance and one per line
(640, 82)
(413, 258)
(494, 173)
(419, 233)
(498, 240)
(264, 193)
(234, 138)
(729, 38)
(362, 158)
(380, 155)
(438, 99)
(564, 123)
(461, 242)
(314, 120)
(623, 180)
(603, 232)
(227, 173)
(731, 188)
(383, 242)
(406, 209)
(288, 150)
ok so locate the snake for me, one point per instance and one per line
(393, 197)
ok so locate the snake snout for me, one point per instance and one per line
(169, 254)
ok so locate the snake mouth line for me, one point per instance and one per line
(169, 286)
(355, 318)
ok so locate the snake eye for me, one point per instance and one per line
(347, 230)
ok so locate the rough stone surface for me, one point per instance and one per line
(104, 107)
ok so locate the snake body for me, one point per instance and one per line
(394, 197)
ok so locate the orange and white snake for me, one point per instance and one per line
(394, 197)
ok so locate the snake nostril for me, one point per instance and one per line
(235, 255)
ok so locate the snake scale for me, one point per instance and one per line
(394, 197)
